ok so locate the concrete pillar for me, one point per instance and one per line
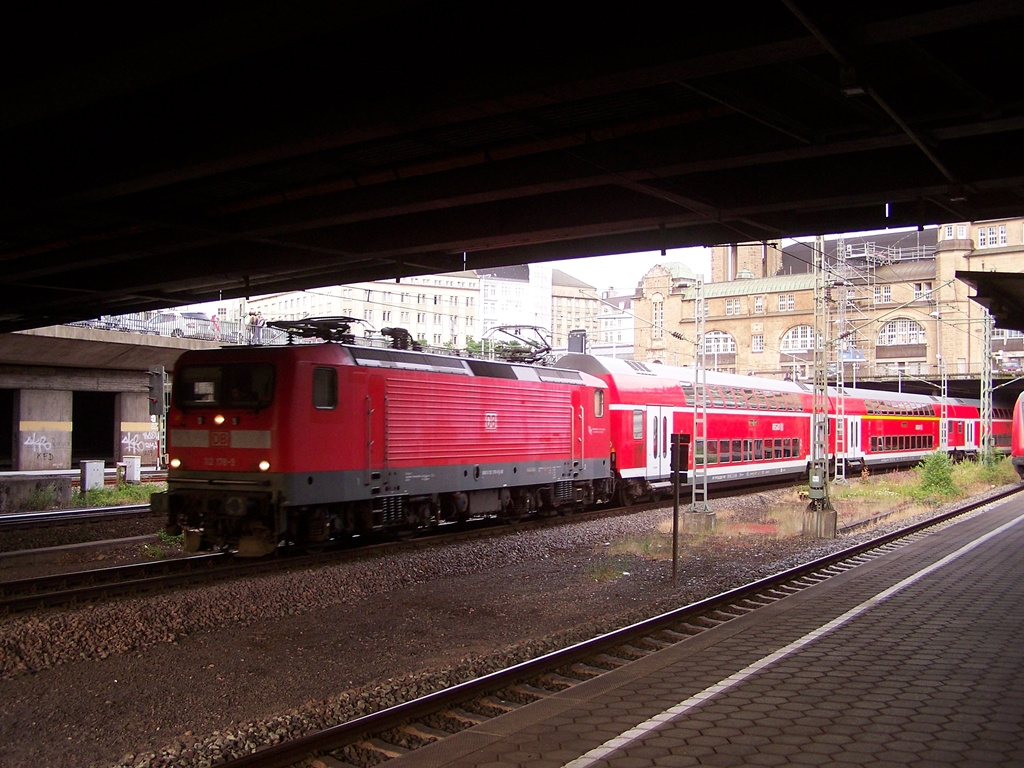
(42, 429)
(137, 435)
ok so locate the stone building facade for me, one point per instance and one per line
(895, 305)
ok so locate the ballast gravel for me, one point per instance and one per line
(191, 677)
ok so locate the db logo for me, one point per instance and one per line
(220, 439)
(490, 421)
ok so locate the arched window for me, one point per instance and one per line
(800, 338)
(901, 331)
(719, 342)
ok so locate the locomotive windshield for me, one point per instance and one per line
(234, 385)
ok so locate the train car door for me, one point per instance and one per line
(659, 423)
(970, 441)
(854, 450)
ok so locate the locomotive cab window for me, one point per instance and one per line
(233, 385)
(598, 403)
(638, 425)
(325, 388)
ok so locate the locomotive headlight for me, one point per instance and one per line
(264, 465)
(175, 463)
(218, 419)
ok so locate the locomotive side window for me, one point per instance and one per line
(638, 425)
(325, 388)
(598, 403)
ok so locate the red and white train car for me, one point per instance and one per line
(758, 428)
(304, 442)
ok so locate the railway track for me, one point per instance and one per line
(377, 737)
(79, 587)
(40, 592)
(49, 518)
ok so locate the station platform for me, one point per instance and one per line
(915, 658)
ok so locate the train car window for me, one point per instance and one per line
(773, 403)
(638, 425)
(778, 447)
(712, 452)
(750, 399)
(690, 393)
(960, 427)
(716, 396)
(664, 436)
(796, 446)
(654, 436)
(598, 403)
(737, 450)
(730, 398)
(874, 444)
(325, 388)
(748, 450)
(762, 401)
(723, 452)
(787, 448)
(758, 450)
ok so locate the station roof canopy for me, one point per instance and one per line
(1001, 293)
(164, 154)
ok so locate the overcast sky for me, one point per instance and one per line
(624, 271)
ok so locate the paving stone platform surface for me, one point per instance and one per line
(913, 659)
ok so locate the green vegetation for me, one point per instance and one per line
(935, 478)
(165, 542)
(607, 569)
(116, 496)
(42, 498)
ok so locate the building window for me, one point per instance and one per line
(961, 231)
(759, 305)
(949, 232)
(922, 291)
(719, 342)
(658, 310)
(787, 302)
(991, 237)
(732, 306)
(387, 316)
(900, 332)
(798, 339)
(883, 294)
(757, 342)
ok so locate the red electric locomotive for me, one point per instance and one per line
(305, 442)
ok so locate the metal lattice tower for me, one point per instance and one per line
(842, 328)
(985, 443)
(820, 518)
(699, 486)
